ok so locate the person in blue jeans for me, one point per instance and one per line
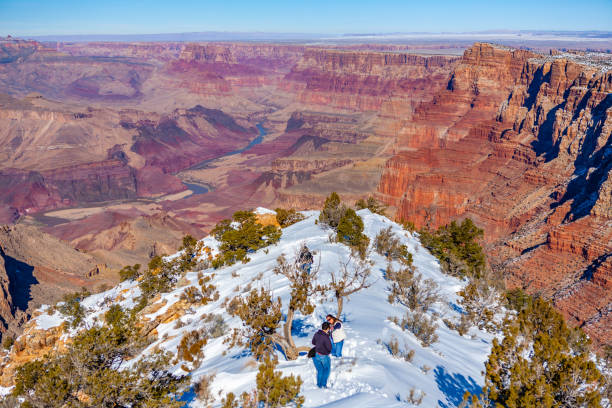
(338, 335)
(321, 360)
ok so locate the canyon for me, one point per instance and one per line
(101, 141)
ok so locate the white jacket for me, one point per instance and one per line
(338, 334)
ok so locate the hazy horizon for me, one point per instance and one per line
(35, 18)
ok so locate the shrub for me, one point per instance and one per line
(540, 362)
(303, 287)
(275, 390)
(480, 303)
(456, 247)
(160, 277)
(203, 391)
(93, 369)
(411, 289)
(190, 347)
(419, 324)
(350, 232)
(72, 308)
(371, 204)
(261, 318)
(288, 217)
(129, 272)
(387, 244)
(395, 350)
(352, 276)
(333, 211)
(517, 299)
(241, 235)
(216, 326)
(7, 342)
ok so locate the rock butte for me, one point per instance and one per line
(516, 140)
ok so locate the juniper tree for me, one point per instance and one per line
(261, 318)
(303, 287)
(410, 289)
(351, 277)
(241, 235)
(540, 362)
(333, 210)
(371, 204)
(273, 390)
(92, 372)
(456, 247)
(287, 217)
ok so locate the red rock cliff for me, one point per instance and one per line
(521, 143)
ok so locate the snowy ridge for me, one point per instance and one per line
(368, 375)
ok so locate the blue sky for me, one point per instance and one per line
(41, 17)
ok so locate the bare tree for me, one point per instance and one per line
(302, 278)
(351, 276)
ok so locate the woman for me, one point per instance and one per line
(321, 360)
(338, 335)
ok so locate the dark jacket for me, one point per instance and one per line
(322, 342)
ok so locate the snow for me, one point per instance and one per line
(367, 375)
(261, 210)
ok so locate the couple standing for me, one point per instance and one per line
(328, 340)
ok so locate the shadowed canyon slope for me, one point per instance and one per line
(521, 143)
(111, 146)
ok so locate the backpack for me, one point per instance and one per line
(312, 352)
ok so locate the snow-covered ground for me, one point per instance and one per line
(367, 375)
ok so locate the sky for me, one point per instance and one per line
(56, 17)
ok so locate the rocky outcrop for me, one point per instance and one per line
(363, 80)
(521, 143)
(37, 268)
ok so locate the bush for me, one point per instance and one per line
(411, 290)
(395, 350)
(216, 326)
(72, 308)
(456, 247)
(203, 391)
(288, 217)
(371, 204)
(333, 211)
(93, 372)
(480, 302)
(240, 236)
(160, 277)
(387, 244)
(541, 362)
(350, 232)
(7, 342)
(261, 318)
(419, 324)
(190, 348)
(273, 390)
(129, 272)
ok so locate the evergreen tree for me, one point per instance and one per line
(540, 363)
(261, 318)
(456, 247)
(302, 289)
(241, 235)
(371, 204)
(332, 211)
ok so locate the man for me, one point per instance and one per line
(321, 360)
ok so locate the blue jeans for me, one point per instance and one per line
(323, 366)
(337, 349)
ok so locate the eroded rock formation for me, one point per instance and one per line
(522, 144)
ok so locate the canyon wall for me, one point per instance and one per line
(521, 143)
